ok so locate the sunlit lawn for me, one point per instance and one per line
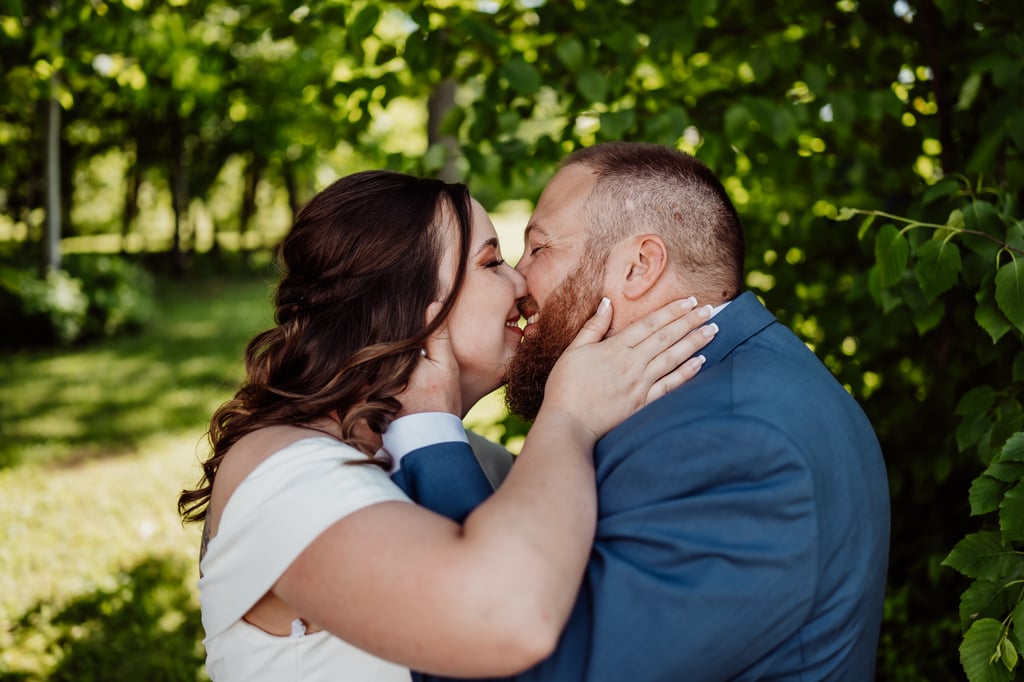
(96, 572)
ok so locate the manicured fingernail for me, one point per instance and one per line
(604, 306)
(688, 303)
(705, 312)
(709, 330)
(698, 360)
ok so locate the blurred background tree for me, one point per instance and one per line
(189, 127)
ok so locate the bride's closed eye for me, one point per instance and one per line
(495, 263)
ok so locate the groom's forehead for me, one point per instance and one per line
(554, 228)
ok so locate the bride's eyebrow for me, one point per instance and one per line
(493, 242)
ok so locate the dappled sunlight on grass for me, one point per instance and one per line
(71, 530)
(100, 400)
(81, 531)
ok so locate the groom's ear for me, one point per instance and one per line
(644, 262)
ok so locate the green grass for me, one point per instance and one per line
(97, 575)
(63, 406)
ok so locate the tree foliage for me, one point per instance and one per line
(907, 112)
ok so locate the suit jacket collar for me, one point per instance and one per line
(740, 320)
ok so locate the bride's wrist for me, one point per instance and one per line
(569, 421)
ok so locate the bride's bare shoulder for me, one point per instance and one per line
(244, 456)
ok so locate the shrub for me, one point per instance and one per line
(96, 296)
(120, 293)
(40, 311)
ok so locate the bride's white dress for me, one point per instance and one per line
(273, 515)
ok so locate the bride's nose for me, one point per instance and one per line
(518, 282)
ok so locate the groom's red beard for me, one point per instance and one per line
(566, 311)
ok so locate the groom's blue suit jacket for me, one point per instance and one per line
(743, 524)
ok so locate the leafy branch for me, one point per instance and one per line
(953, 229)
(991, 419)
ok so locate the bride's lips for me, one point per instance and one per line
(512, 325)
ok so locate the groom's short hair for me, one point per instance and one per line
(642, 187)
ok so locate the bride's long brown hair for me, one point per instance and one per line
(359, 268)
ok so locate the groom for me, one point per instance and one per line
(743, 519)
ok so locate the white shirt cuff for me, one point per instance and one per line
(415, 431)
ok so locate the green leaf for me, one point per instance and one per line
(1010, 292)
(1017, 617)
(939, 190)
(668, 125)
(844, 110)
(1009, 655)
(982, 556)
(591, 85)
(938, 264)
(1013, 450)
(434, 158)
(983, 217)
(984, 599)
(846, 213)
(891, 251)
(482, 32)
(522, 77)
(971, 430)
(570, 52)
(950, 9)
(509, 121)
(969, 91)
(980, 653)
(783, 127)
(986, 494)
(1008, 472)
(737, 122)
(928, 318)
(614, 124)
(985, 152)
(864, 227)
(1011, 514)
(977, 400)
(989, 318)
(1015, 234)
(364, 22)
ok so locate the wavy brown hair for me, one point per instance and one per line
(359, 268)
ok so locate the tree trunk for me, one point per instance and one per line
(291, 183)
(51, 235)
(179, 193)
(248, 208)
(131, 201)
(440, 103)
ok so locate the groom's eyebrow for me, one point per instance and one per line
(531, 228)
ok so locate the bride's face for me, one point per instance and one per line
(484, 323)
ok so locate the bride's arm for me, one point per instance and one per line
(490, 597)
